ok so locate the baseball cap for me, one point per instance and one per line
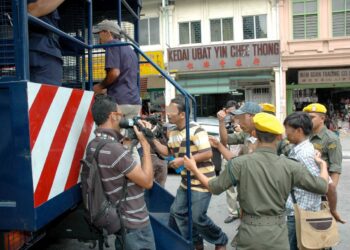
(315, 108)
(109, 25)
(248, 108)
(265, 122)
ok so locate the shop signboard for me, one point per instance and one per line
(324, 76)
(147, 68)
(263, 54)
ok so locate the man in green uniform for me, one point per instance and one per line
(264, 181)
(244, 116)
(325, 140)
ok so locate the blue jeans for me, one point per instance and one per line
(292, 235)
(140, 239)
(203, 226)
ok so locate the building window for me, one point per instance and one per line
(305, 19)
(221, 29)
(190, 32)
(149, 31)
(254, 27)
(341, 17)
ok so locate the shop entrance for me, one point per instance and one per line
(210, 104)
(336, 97)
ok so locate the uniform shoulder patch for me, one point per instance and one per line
(332, 146)
(317, 146)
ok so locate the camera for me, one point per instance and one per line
(154, 119)
(230, 128)
(128, 124)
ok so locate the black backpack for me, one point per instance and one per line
(101, 213)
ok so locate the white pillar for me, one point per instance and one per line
(277, 91)
(170, 91)
(283, 94)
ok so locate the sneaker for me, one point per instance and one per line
(230, 218)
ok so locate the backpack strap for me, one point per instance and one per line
(293, 196)
(99, 146)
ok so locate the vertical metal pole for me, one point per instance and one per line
(188, 152)
(20, 37)
(136, 38)
(119, 17)
(89, 85)
(83, 63)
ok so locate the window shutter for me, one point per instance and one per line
(154, 30)
(227, 29)
(338, 24)
(143, 40)
(261, 26)
(298, 27)
(184, 32)
(248, 27)
(215, 30)
(311, 26)
(196, 36)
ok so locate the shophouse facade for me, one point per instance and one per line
(315, 53)
(218, 50)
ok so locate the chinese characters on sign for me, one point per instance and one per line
(324, 76)
(225, 56)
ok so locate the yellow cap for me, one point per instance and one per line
(268, 107)
(268, 123)
(315, 108)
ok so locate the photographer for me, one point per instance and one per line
(152, 128)
(117, 164)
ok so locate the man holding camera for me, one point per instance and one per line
(227, 125)
(117, 164)
(203, 226)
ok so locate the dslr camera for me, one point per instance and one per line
(128, 124)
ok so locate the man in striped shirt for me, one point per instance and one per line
(203, 226)
(117, 164)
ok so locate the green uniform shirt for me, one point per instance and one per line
(264, 181)
(237, 138)
(329, 145)
(283, 147)
(249, 142)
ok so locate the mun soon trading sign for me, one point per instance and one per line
(225, 56)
